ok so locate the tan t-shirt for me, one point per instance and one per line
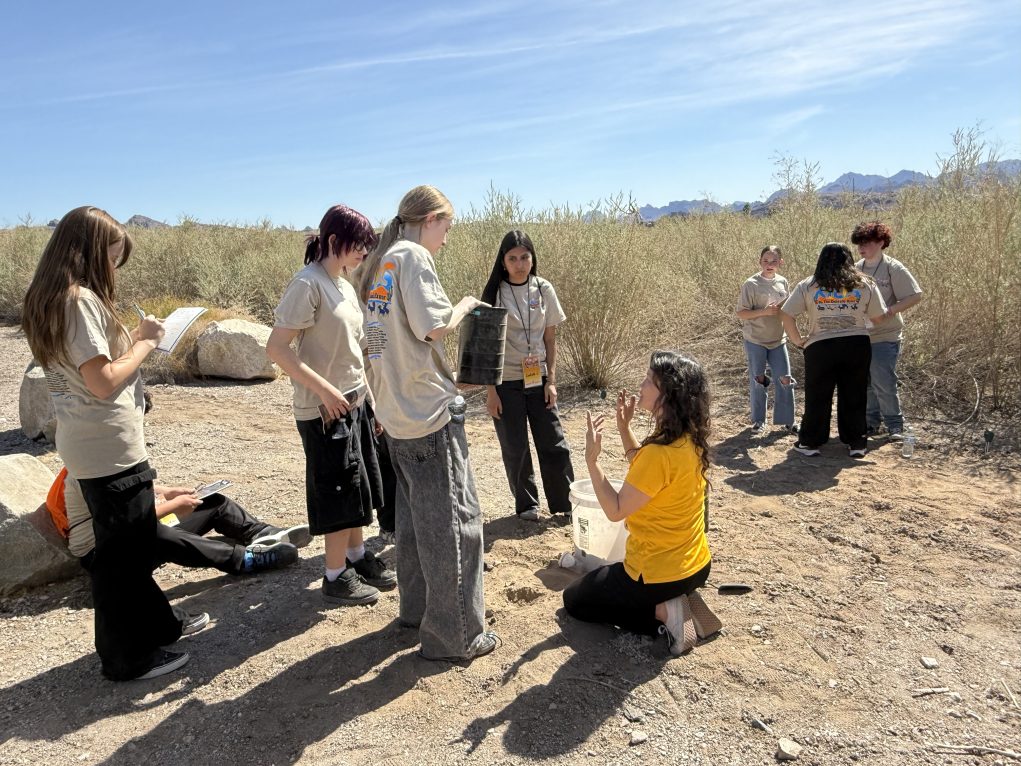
(834, 314)
(95, 437)
(327, 314)
(531, 308)
(895, 283)
(411, 380)
(757, 292)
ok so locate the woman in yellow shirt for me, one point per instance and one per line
(663, 499)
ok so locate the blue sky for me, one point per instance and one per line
(279, 110)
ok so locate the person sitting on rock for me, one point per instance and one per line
(253, 545)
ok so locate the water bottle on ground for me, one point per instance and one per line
(908, 445)
(457, 409)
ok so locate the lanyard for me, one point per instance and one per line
(517, 310)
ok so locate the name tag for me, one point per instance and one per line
(531, 371)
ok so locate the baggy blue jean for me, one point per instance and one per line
(783, 394)
(883, 398)
(439, 541)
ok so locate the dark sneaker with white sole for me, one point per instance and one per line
(349, 589)
(810, 451)
(374, 571)
(298, 536)
(164, 662)
(259, 558)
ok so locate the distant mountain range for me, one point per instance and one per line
(857, 183)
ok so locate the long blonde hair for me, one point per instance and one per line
(417, 205)
(77, 255)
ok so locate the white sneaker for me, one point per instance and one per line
(856, 452)
(758, 429)
(680, 627)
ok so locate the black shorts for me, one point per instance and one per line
(342, 479)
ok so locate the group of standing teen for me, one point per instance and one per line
(855, 325)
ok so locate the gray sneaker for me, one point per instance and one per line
(298, 536)
(374, 571)
(483, 644)
(349, 589)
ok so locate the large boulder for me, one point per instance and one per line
(35, 407)
(235, 349)
(31, 549)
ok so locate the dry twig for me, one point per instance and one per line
(1010, 694)
(974, 750)
(926, 690)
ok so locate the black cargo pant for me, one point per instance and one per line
(133, 618)
(842, 364)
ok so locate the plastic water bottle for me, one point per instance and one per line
(908, 445)
(457, 409)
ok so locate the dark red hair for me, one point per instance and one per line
(348, 226)
(872, 231)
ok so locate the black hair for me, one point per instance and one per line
(835, 268)
(511, 240)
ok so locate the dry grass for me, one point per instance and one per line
(628, 288)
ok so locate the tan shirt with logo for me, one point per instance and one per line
(531, 308)
(895, 283)
(834, 313)
(757, 292)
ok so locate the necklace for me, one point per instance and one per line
(876, 269)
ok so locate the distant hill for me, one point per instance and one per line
(881, 191)
(145, 222)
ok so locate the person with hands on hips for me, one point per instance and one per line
(662, 500)
(320, 311)
(527, 397)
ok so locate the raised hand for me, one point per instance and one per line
(625, 410)
(593, 437)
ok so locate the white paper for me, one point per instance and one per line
(177, 325)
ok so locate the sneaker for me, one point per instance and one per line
(856, 452)
(706, 622)
(810, 451)
(349, 589)
(374, 571)
(791, 429)
(164, 662)
(532, 514)
(193, 623)
(896, 436)
(387, 537)
(483, 644)
(679, 627)
(873, 430)
(298, 536)
(758, 429)
(262, 557)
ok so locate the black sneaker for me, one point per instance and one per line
(164, 662)
(193, 623)
(791, 429)
(810, 451)
(349, 589)
(374, 571)
(298, 536)
(273, 556)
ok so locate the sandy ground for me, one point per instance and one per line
(860, 569)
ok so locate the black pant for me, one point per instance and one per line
(524, 408)
(841, 363)
(609, 595)
(385, 512)
(132, 616)
(185, 544)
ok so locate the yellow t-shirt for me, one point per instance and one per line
(667, 539)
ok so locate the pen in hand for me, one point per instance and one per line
(141, 314)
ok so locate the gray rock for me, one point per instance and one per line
(32, 550)
(930, 663)
(638, 737)
(787, 750)
(235, 349)
(35, 407)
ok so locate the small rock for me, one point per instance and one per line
(787, 750)
(756, 629)
(634, 716)
(955, 713)
(487, 565)
(955, 697)
(832, 683)
(590, 753)
(148, 698)
(929, 663)
(489, 613)
(638, 737)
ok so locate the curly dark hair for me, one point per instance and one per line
(683, 405)
(872, 231)
(835, 268)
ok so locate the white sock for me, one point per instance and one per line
(333, 574)
(356, 554)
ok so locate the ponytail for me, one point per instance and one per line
(311, 249)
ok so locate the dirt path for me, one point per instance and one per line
(860, 569)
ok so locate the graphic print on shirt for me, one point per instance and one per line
(56, 383)
(837, 308)
(378, 304)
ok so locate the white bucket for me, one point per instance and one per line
(593, 533)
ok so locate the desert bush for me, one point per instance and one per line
(629, 287)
